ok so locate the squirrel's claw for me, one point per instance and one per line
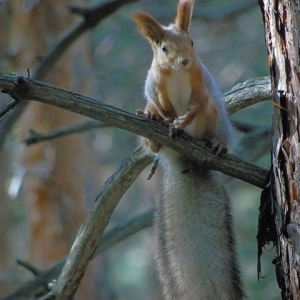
(146, 114)
(218, 147)
(140, 112)
(174, 130)
(152, 116)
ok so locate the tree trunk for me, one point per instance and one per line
(54, 187)
(282, 25)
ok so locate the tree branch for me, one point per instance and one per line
(35, 137)
(240, 96)
(39, 285)
(9, 107)
(248, 93)
(85, 243)
(21, 88)
(29, 267)
(27, 89)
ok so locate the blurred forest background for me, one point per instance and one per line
(48, 189)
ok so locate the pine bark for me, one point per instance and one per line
(282, 24)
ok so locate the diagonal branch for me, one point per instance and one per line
(240, 96)
(27, 89)
(40, 283)
(91, 17)
(85, 243)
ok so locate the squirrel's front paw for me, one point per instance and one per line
(152, 116)
(218, 147)
(146, 114)
(180, 122)
(173, 131)
(177, 126)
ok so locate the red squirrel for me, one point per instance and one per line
(195, 247)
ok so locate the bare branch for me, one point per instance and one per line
(42, 280)
(28, 266)
(36, 137)
(9, 107)
(119, 233)
(240, 96)
(39, 285)
(93, 228)
(28, 89)
(248, 93)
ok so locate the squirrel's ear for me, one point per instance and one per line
(184, 14)
(149, 27)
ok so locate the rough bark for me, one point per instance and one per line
(282, 24)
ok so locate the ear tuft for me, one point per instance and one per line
(149, 27)
(184, 14)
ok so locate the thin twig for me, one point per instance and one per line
(27, 265)
(36, 137)
(9, 107)
(123, 231)
(153, 168)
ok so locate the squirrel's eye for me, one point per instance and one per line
(192, 43)
(164, 48)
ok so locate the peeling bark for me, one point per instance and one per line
(282, 25)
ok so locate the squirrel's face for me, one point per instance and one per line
(175, 50)
(172, 45)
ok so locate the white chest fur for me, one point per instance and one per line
(179, 91)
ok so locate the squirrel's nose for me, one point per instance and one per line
(184, 61)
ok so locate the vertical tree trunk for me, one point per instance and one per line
(282, 25)
(54, 188)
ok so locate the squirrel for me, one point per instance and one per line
(195, 248)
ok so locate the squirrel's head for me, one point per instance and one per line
(172, 45)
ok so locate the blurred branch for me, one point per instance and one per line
(9, 107)
(240, 96)
(242, 126)
(261, 138)
(35, 137)
(23, 89)
(29, 267)
(92, 16)
(119, 233)
(39, 285)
